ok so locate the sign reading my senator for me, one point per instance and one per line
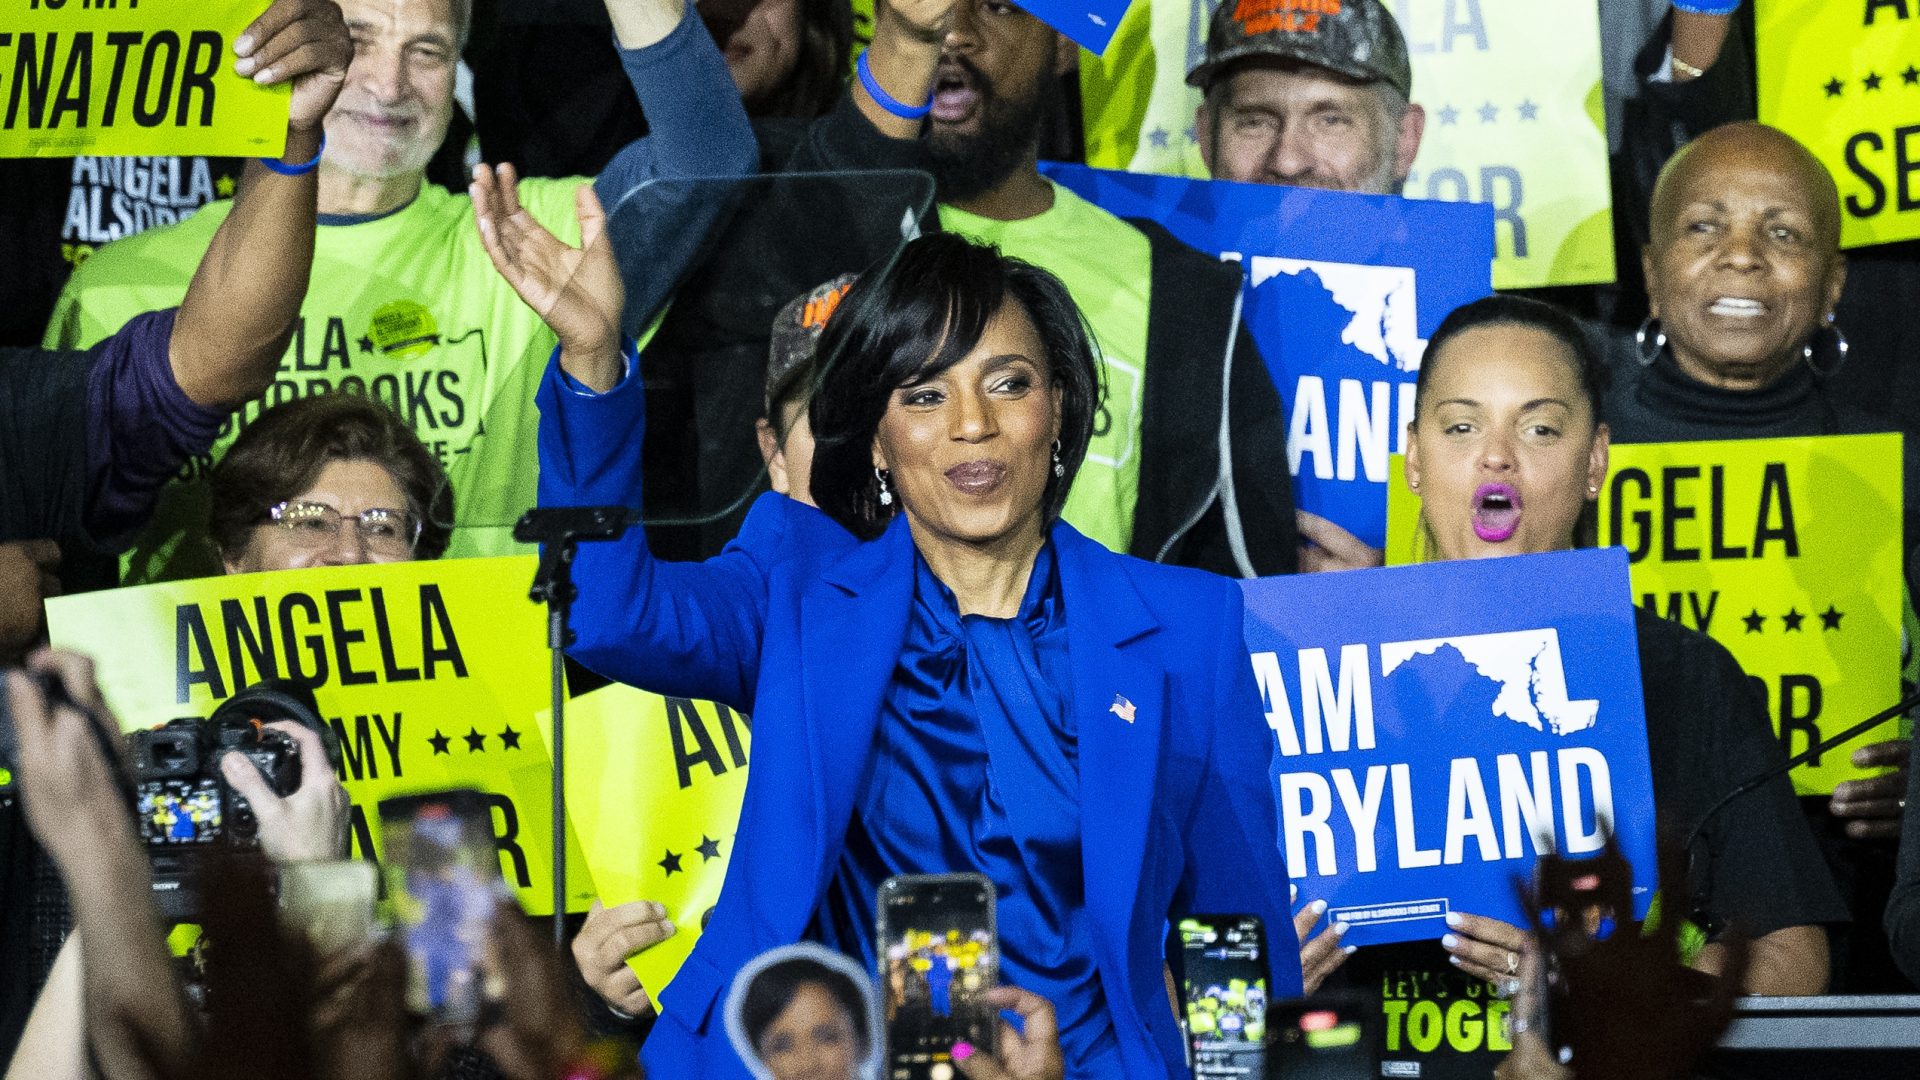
(1342, 291)
(1438, 727)
(1843, 77)
(132, 77)
(429, 673)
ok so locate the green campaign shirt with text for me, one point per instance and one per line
(1107, 266)
(405, 308)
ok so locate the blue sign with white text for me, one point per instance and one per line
(1438, 726)
(1342, 292)
(1090, 23)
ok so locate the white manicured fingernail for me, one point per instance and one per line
(1351, 949)
(1453, 919)
(243, 44)
(1339, 928)
(1318, 907)
(1448, 941)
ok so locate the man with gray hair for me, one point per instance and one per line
(1311, 93)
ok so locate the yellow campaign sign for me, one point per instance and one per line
(139, 77)
(1511, 90)
(1786, 551)
(1841, 76)
(654, 788)
(432, 675)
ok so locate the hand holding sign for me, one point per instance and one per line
(1872, 806)
(609, 937)
(302, 41)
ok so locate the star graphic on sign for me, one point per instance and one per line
(224, 186)
(709, 849)
(1449, 116)
(671, 864)
(476, 742)
(1158, 137)
(509, 738)
(1830, 619)
(1529, 111)
(1793, 619)
(365, 343)
(1872, 81)
(1489, 113)
(1833, 87)
(1754, 621)
(1911, 76)
(440, 742)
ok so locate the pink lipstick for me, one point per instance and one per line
(977, 477)
(1496, 512)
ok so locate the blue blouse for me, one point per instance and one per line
(975, 769)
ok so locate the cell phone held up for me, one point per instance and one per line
(1220, 967)
(939, 952)
(442, 873)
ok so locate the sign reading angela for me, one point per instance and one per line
(1342, 291)
(132, 77)
(429, 673)
(1439, 726)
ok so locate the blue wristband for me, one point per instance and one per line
(883, 99)
(1708, 7)
(302, 169)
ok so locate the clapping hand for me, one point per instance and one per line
(577, 291)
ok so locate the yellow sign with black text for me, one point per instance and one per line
(654, 787)
(143, 77)
(1843, 77)
(1786, 551)
(431, 674)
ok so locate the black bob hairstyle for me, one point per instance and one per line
(912, 319)
(1502, 310)
(776, 985)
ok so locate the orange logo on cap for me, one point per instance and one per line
(820, 309)
(1287, 16)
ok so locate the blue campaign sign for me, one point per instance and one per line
(1090, 23)
(1342, 292)
(1434, 723)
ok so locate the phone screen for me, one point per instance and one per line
(938, 953)
(443, 878)
(1223, 976)
(1324, 1037)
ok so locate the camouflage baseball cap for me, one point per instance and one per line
(796, 330)
(1356, 38)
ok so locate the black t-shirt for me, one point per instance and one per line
(1756, 862)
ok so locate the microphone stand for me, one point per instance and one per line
(559, 530)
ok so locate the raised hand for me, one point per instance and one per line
(302, 40)
(576, 291)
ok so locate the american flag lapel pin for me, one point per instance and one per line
(1121, 708)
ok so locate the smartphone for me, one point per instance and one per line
(1324, 1037)
(1220, 966)
(442, 873)
(939, 951)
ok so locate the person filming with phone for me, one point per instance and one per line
(944, 678)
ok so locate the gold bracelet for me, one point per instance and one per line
(1687, 69)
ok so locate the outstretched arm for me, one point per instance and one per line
(238, 314)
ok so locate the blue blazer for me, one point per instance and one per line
(800, 625)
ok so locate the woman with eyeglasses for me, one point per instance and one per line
(331, 480)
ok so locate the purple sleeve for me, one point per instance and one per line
(141, 427)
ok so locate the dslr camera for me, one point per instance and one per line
(183, 806)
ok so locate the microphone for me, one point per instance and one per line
(1906, 705)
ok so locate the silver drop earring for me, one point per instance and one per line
(1058, 469)
(886, 493)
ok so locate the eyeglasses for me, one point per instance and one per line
(315, 524)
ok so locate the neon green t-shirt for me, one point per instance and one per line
(405, 308)
(1107, 266)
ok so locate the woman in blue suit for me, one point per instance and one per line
(943, 676)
